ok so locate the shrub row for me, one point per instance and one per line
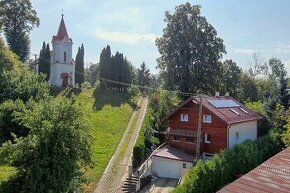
(211, 175)
(139, 148)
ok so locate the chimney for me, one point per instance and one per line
(227, 94)
(217, 93)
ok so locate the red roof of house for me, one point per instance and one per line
(271, 176)
(62, 32)
(234, 112)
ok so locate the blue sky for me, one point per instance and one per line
(131, 26)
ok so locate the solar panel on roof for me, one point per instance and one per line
(218, 103)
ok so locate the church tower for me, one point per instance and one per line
(62, 66)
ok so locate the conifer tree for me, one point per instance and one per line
(79, 66)
(44, 61)
(143, 75)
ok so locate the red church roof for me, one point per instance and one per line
(226, 108)
(62, 32)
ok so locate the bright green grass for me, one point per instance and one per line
(110, 112)
(5, 171)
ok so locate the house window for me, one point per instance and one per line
(189, 139)
(184, 117)
(176, 138)
(207, 118)
(207, 138)
(183, 165)
(237, 135)
(64, 56)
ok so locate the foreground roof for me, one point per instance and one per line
(227, 109)
(271, 176)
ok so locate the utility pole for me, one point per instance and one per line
(198, 139)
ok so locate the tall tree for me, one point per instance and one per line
(115, 67)
(231, 77)
(80, 66)
(92, 73)
(249, 90)
(190, 50)
(44, 60)
(143, 75)
(105, 62)
(17, 19)
(278, 80)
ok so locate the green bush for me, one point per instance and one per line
(9, 120)
(138, 155)
(211, 175)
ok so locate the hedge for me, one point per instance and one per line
(139, 148)
(211, 175)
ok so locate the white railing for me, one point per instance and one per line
(145, 166)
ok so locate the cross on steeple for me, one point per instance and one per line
(62, 12)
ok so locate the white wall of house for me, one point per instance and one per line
(168, 168)
(238, 133)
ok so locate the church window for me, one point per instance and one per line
(64, 56)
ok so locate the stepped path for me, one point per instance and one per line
(118, 167)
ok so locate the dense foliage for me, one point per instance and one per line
(143, 75)
(17, 81)
(49, 158)
(190, 51)
(17, 19)
(210, 176)
(115, 67)
(154, 126)
(80, 66)
(92, 73)
(51, 140)
(44, 61)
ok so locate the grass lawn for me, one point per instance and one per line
(110, 112)
(5, 171)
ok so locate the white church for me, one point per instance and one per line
(62, 66)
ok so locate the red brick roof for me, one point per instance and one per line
(231, 115)
(271, 176)
(227, 113)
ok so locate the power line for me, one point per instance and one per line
(150, 88)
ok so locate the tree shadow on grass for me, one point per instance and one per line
(68, 92)
(111, 97)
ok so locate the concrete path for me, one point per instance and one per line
(118, 167)
(162, 185)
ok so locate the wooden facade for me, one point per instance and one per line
(217, 130)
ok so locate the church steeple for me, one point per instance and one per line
(62, 67)
(62, 32)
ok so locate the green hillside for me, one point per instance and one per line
(110, 112)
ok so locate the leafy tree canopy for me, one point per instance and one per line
(49, 159)
(17, 81)
(17, 19)
(190, 50)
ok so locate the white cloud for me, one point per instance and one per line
(123, 37)
(245, 51)
(281, 49)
